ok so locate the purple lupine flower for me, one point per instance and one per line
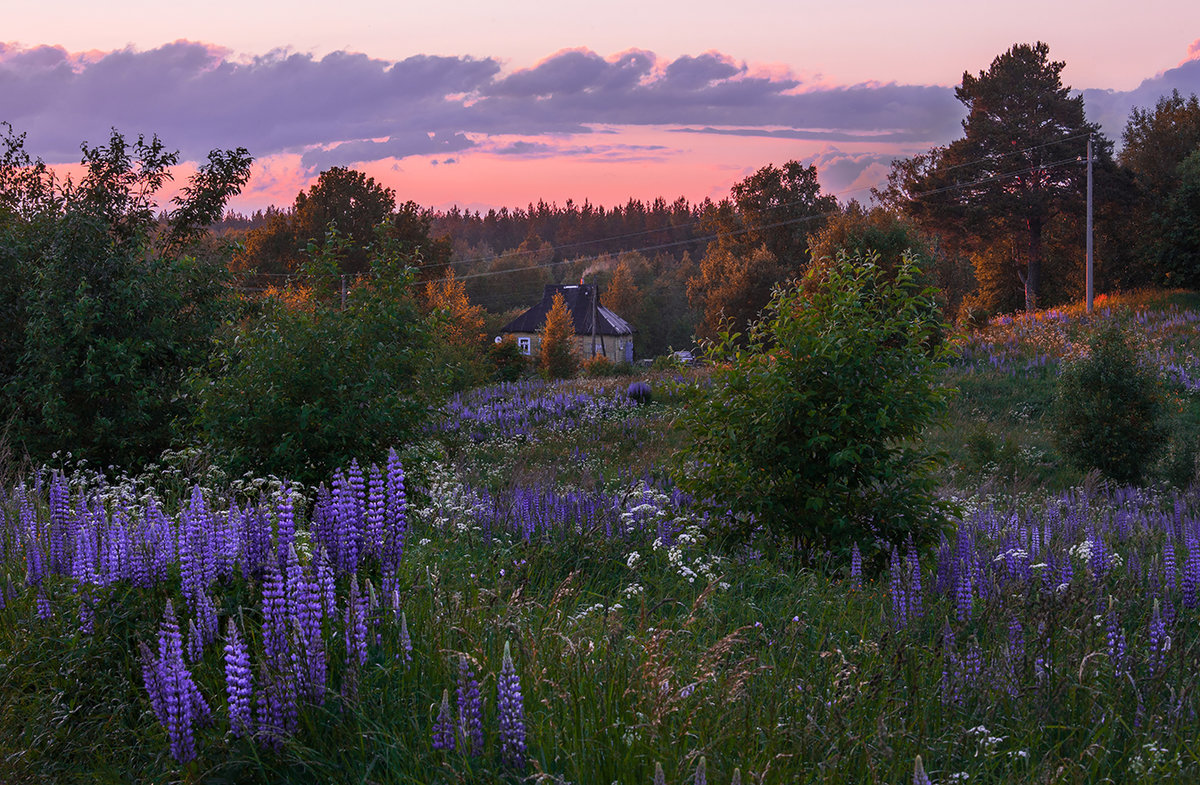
(443, 727)
(511, 712)
(358, 498)
(376, 513)
(1159, 641)
(355, 633)
(919, 775)
(1016, 641)
(1116, 639)
(87, 615)
(44, 611)
(405, 641)
(238, 686)
(208, 623)
(181, 703)
(855, 567)
(963, 593)
(973, 661)
(660, 778)
(896, 590)
(951, 668)
(154, 684)
(396, 525)
(913, 569)
(701, 777)
(1169, 574)
(195, 646)
(59, 521)
(1191, 570)
(285, 517)
(326, 584)
(736, 779)
(275, 623)
(470, 709)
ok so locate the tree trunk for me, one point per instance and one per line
(1033, 276)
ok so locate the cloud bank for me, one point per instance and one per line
(345, 108)
(348, 108)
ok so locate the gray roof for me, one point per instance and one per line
(578, 299)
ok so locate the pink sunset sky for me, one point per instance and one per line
(486, 104)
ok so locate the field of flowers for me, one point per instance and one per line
(525, 596)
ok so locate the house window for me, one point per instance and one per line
(523, 345)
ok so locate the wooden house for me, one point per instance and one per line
(598, 331)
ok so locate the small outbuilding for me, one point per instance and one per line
(598, 331)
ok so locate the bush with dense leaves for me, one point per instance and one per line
(1108, 409)
(105, 304)
(812, 426)
(299, 390)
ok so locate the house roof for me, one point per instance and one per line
(579, 302)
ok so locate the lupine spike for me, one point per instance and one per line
(511, 713)
(737, 777)
(919, 775)
(659, 777)
(701, 777)
(443, 727)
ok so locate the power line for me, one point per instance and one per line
(717, 235)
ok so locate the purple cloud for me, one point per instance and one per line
(335, 109)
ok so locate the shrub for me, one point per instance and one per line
(508, 363)
(812, 426)
(1108, 409)
(298, 392)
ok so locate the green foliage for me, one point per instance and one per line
(508, 363)
(558, 358)
(814, 426)
(105, 311)
(1108, 409)
(998, 188)
(297, 391)
(1179, 235)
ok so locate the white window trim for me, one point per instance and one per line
(525, 345)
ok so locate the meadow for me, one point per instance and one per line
(525, 596)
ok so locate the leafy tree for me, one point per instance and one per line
(732, 287)
(1016, 167)
(779, 208)
(1156, 141)
(115, 309)
(1179, 254)
(812, 427)
(1158, 145)
(622, 295)
(761, 239)
(1109, 409)
(355, 204)
(458, 332)
(300, 391)
(557, 355)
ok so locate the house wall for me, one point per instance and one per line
(613, 345)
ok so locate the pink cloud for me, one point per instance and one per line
(1193, 52)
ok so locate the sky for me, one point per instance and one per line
(503, 104)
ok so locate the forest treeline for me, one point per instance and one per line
(133, 327)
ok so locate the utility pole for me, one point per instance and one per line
(1089, 226)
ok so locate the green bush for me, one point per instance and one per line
(812, 426)
(1108, 409)
(104, 307)
(508, 363)
(299, 390)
